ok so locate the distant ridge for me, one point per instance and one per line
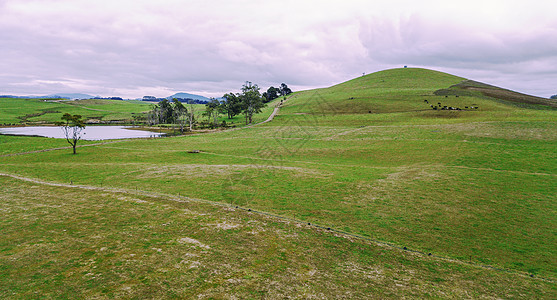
(69, 96)
(182, 95)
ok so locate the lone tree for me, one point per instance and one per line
(251, 101)
(72, 125)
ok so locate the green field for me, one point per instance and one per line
(18, 111)
(36, 111)
(475, 188)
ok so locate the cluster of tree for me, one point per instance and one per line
(107, 98)
(184, 100)
(273, 92)
(166, 112)
(248, 102)
(553, 97)
(152, 98)
(191, 101)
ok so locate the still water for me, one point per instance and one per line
(90, 133)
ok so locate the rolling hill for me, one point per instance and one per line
(359, 190)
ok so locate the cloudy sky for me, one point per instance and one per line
(132, 48)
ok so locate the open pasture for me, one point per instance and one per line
(473, 186)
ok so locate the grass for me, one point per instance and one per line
(39, 111)
(16, 110)
(63, 242)
(474, 186)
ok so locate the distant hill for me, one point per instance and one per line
(188, 96)
(405, 90)
(59, 95)
(69, 96)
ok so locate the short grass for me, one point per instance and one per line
(68, 242)
(16, 111)
(39, 111)
(476, 186)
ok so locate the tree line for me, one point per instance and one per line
(248, 102)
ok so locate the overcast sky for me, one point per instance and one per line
(132, 48)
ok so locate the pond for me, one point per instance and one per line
(90, 133)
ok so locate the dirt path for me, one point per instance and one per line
(273, 114)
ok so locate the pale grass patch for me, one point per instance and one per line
(201, 170)
(131, 199)
(187, 240)
(225, 225)
(372, 191)
(409, 174)
(513, 131)
(191, 212)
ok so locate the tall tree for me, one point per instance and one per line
(179, 114)
(191, 116)
(212, 111)
(231, 105)
(271, 94)
(166, 112)
(251, 101)
(284, 90)
(73, 126)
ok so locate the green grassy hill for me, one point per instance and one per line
(393, 179)
(397, 96)
(37, 111)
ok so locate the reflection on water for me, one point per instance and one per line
(91, 133)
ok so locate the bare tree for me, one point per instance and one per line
(73, 126)
(191, 116)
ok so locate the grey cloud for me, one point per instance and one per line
(132, 47)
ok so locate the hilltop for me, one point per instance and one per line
(408, 94)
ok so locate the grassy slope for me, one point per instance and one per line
(17, 110)
(435, 181)
(61, 242)
(37, 110)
